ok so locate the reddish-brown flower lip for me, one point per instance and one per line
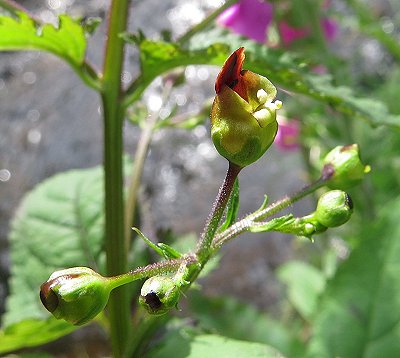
(231, 74)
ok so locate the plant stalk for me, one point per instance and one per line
(203, 248)
(119, 303)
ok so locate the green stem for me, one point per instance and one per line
(119, 308)
(203, 248)
(203, 24)
(138, 165)
(244, 224)
(137, 172)
(158, 268)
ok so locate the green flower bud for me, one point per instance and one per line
(76, 295)
(343, 167)
(243, 115)
(159, 294)
(334, 208)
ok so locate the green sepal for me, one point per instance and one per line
(162, 249)
(232, 207)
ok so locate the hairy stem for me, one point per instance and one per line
(203, 248)
(244, 224)
(118, 307)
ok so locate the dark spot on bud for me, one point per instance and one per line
(153, 301)
(346, 147)
(349, 202)
(327, 171)
(48, 297)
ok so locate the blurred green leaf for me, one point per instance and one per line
(59, 224)
(183, 344)
(67, 41)
(231, 318)
(359, 314)
(305, 285)
(31, 333)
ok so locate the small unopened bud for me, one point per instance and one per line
(343, 167)
(334, 208)
(76, 295)
(159, 294)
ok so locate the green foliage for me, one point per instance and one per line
(359, 313)
(158, 57)
(59, 224)
(304, 284)
(185, 344)
(231, 318)
(32, 332)
(67, 41)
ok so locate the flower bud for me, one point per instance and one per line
(343, 167)
(76, 295)
(243, 115)
(159, 294)
(334, 208)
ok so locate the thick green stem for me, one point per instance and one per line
(203, 249)
(118, 307)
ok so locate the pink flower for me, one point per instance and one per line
(290, 34)
(287, 138)
(249, 18)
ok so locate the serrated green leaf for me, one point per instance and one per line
(31, 333)
(185, 345)
(67, 41)
(59, 224)
(158, 57)
(359, 315)
(232, 207)
(305, 284)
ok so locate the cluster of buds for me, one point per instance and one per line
(243, 127)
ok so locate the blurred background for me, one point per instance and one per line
(51, 122)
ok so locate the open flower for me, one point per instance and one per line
(249, 18)
(243, 114)
(252, 18)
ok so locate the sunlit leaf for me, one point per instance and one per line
(67, 41)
